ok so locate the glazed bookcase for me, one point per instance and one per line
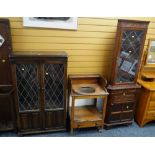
(40, 81)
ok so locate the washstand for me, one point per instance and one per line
(86, 87)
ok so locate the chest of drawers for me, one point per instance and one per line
(121, 105)
(145, 110)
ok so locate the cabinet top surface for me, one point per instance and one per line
(146, 84)
(40, 54)
(148, 74)
(119, 87)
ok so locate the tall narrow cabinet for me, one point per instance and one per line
(40, 81)
(6, 84)
(122, 87)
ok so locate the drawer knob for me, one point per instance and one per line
(22, 69)
(127, 107)
(46, 73)
(124, 94)
(133, 36)
(3, 60)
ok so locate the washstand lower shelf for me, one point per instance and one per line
(87, 116)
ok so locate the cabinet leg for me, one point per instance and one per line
(100, 128)
(129, 124)
(107, 127)
(71, 131)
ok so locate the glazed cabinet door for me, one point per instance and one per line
(129, 55)
(28, 96)
(6, 86)
(54, 95)
(5, 50)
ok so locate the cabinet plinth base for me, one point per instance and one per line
(109, 126)
(22, 133)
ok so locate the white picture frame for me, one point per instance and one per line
(51, 22)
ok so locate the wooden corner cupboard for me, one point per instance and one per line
(40, 91)
(122, 87)
(7, 119)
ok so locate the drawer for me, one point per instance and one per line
(150, 115)
(124, 97)
(119, 92)
(116, 107)
(122, 107)
(128, 106)
(153, 96)
(151, 105)
(126, 116)
(114, 118)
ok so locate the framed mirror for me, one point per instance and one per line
(150, 59)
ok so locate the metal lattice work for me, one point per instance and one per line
(129, 55)
(54, 86)
(27, 86)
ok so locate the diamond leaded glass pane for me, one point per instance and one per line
(127, 62)
(27, 86)
(54, 86)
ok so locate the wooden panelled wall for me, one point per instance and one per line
(90, 47)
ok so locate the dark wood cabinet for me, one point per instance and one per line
(40, 81)
(122, 87)
(6, 84)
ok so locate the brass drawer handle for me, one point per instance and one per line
(124, 94)
(127, 107)
(3, 60)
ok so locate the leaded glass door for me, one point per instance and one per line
(128, 58)
(27, 83)
(54, 97)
